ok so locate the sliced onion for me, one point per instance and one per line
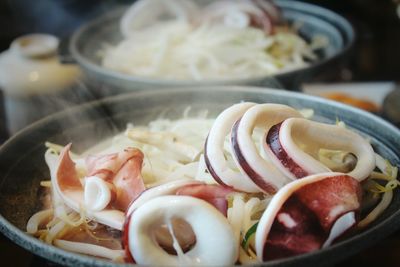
(90, 249)
(37, 219)
(214, 156)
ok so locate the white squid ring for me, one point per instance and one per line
(264, 173)
(215, 240)
(214, 155)
(330, 137)
(279, 199)
(168, 188)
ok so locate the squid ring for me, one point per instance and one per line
(261, 171)
(214, 155)
(215, 240)
(320, 135)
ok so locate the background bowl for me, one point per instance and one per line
(22, 164)
(88, 40)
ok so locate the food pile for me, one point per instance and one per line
(259, 182)
(208, 40)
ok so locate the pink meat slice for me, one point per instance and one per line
(106, 166)
(67, 176)
(101, 166)
(122, 169)
(305, 220)
(216, 195)
(128, 181)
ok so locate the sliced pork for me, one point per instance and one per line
(114, 181)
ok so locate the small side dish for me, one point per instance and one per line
(259, 182)
(208, 40)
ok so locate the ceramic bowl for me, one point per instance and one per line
(313, 20)
(22, 164)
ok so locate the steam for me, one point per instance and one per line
(63, 114)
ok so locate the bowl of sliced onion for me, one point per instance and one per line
(156, 43)
(215, 176)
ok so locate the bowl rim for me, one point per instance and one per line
(380, 230)
(346, 30)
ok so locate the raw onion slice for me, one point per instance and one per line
(215, 241)
(90, 249)
(262, 172)
(314, 136)
(308, 214)
(214, 156)
(38, 219)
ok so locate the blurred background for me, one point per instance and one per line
(375, 57)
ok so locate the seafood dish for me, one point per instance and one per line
(258, 182)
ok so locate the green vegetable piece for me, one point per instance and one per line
(247, 236)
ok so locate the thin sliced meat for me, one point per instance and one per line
(122, 169)
(67, 176)
(216, 195)
(128, 180)
(105, 166)
(68, 189)
(101, 166)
